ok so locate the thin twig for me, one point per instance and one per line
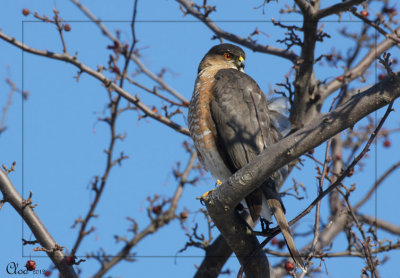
(98, 75)
(155, 224)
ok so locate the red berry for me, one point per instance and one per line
(70, 260)
(387, 143)
(381, 76)
(30, 265)
(340, 78)
(67, 27)
(311, 151)
(47, 273)
(26, 12)
(274, 241)
(116, 69)
(365, 13)
(183, 215)
(157, 209)
(289, 266)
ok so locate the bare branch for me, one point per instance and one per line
(40, 232)
(305, 79)
(337, 8)
(376, 185)
(373, 221)
(134, 57)
(358, 70)
(156, 223)
(96, 74)
(251, 44)
(305, 7)
(395, 37)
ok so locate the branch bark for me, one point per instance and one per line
(216, 256)
(305, 77)
(337, 8)
(40, 232)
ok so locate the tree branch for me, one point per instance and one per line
(156, 223)
(376, 184)
(373, 221)
(135, 58)
(216, 256)
(251, 44)
(98, 75)
(358, 70)
(337, 8)
(40, 232)
(305, 78)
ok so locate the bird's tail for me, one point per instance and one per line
(277, 209)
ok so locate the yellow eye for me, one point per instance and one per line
(228, 56)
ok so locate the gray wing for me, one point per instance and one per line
(240, 113)
(244, 128)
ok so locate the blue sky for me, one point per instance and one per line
(63, 142)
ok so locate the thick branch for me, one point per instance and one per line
(40, 232)
(305, 78)
(337, 8)
(382, 224)
(305, 7)
(216, 256)
(243, 242)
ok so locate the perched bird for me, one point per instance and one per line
(230, 124)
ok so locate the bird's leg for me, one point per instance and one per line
(266, 231)
(265, 225)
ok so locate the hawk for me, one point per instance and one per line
(230, 124)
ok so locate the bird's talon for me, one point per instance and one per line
(205, 195)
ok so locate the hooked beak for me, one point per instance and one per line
(240, 64)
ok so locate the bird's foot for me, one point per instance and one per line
(205, 195)
(265, 229)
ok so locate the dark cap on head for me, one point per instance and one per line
(227, 47)
(236, 52)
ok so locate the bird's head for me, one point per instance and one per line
(224, 56)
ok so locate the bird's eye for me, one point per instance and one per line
(228, 56)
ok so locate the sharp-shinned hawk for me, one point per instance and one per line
(230, 124)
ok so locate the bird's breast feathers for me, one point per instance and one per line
(202, 127)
